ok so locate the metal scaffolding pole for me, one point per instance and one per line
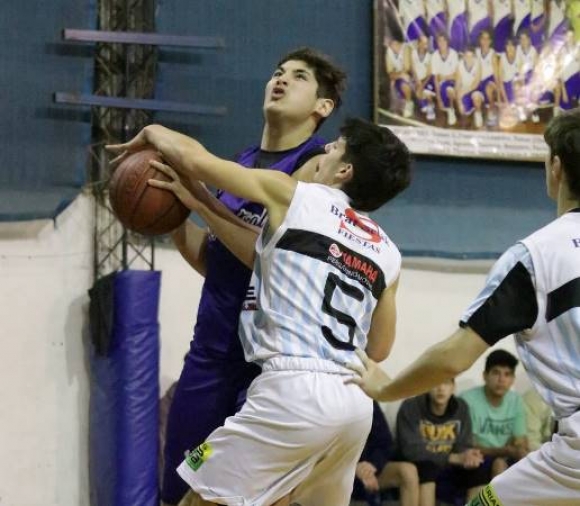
(124, 70)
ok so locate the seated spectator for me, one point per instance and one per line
(539, 419)
(498, 419)
(376, 471)
(434, 433)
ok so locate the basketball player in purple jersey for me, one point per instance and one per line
(502, 23)
(303, 91)
(522, 10)
(479, 18)
(436, 18)
(537, 23)
(458, 36)
(413, 19)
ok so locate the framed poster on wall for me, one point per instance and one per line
(475, 78)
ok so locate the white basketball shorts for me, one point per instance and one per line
(299, 432)
(549, 476)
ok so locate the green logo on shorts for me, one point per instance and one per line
(486, 497)
(197, 457)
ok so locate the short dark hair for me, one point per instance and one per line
(501, 358)
(331, 79)
(562, 135)
(381, 164)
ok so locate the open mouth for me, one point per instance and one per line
(277, 93)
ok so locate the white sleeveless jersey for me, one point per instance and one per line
(434, 8)
(501, 9)
(486, 62)
(316, 280)
(455, 8)
(396, 61)
(508, 69)
(468, 76)
(421, 65)
(536, 9)
(526, 59)
(409, 12)
(569, 60)
(444, 66)
(478, 11)
(550, 350)
(556, 16)
(522, 8)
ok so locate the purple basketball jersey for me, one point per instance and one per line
(226, 277)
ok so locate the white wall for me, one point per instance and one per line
(45, 272)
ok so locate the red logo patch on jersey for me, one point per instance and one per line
(360, 226)
(335, 250)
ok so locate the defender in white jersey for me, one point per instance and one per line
(533, 291)
(324, 283)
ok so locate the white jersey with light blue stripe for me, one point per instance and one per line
(534, 291)
(316, 280)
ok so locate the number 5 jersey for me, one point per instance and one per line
(316, 280)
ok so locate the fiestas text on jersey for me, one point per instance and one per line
(359, 229)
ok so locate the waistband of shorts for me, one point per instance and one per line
(285, 363)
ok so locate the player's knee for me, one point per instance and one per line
(408, 474)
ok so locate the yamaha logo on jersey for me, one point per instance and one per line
(359, 229)
(355, 266)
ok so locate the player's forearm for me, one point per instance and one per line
(236, 235)
(441, 362)
(191, 242)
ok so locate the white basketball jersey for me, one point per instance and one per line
(478, 11)
(396, 61)
(526, 59)
(316, 280)
(444, 66)
(501, 9)
(410, 11)
(569, 59)
(509, 69)
(421, 64)
(434, 8)
(522, 8)
(556, 16)
(468, 76)
(455, 8)
(486, 62)
(550, 351)
(537, 9)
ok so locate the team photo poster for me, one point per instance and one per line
(475, 78)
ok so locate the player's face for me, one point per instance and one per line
(442, 44)
(330, 163)
(484, 40)
(498, 380)
(510, 50)
(469, 58)
(423, 43)
(291, 91)
(441, 394)
(525, 41)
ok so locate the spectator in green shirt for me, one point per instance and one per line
(498, 418)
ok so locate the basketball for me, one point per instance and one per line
(139, 206)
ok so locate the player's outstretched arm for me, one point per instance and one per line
(192, 161)
(441, 362)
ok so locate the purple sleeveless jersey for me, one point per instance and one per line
(226, 277)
